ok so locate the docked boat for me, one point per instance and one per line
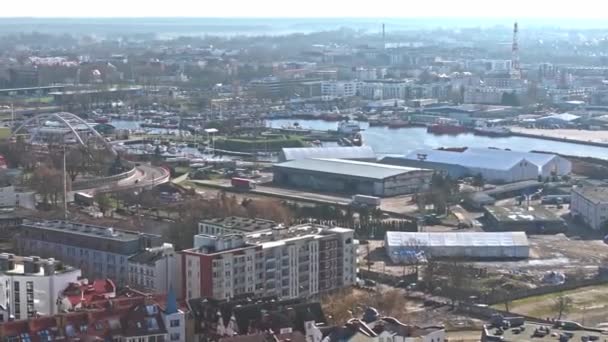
(398, 124)
(492, 131)
(348, 127)
(102, 120)
(446, 128)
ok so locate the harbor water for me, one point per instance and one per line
(386, 141)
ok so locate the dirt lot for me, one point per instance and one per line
(574, 134)
(590, 305)
(464, 336)
(547, 253)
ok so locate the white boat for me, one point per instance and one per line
(149, 147)
(172, 150)
(348, 127)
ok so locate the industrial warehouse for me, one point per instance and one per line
(361, 153)
(402, 246)
(530, 219)
(351, 177)
(494, 165)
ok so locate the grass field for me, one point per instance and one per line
(590, 305)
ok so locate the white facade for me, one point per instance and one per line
(175, 323)
(339, 89)
(31, 286)
(382, 90)
(157, 269)
(591, 204)
(10, 198)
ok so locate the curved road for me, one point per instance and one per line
(146, 176)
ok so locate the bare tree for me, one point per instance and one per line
(562, 305)
(458, 278)
(47, 182)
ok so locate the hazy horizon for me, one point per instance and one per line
(514, 9)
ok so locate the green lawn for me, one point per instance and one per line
(588, 302)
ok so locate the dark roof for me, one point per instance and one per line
(259, 315)
(146, 257)
(244, 224)
(144, 320)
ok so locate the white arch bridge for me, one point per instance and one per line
(62, 128)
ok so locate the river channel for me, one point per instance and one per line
(401, 141)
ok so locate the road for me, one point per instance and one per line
(145, 176)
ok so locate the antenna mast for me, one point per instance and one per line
(515, 68)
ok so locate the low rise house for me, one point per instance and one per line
(373, 327)
(79, 295)
(530, 219)
(590, 204)
(221, 320)
(133, 317)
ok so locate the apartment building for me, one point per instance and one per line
(386, 89)
(30, 286)
(100, 252)
(156, 269)
(590, 203)
(286, 262)
(339, 89)
(233, 225)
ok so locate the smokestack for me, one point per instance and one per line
(383, 37)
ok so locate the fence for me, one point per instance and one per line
(388, 279)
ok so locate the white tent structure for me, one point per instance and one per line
(400, 246)
(494, 168)
(547, 163)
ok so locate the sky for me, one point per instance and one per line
(307, 8)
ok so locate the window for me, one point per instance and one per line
(174, 323)
(16, 286)
(175, 336)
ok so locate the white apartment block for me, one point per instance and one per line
(285, 262)
(339, 89)
(30, 286)
(386, 89)
(591, 204)
(156, 269)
